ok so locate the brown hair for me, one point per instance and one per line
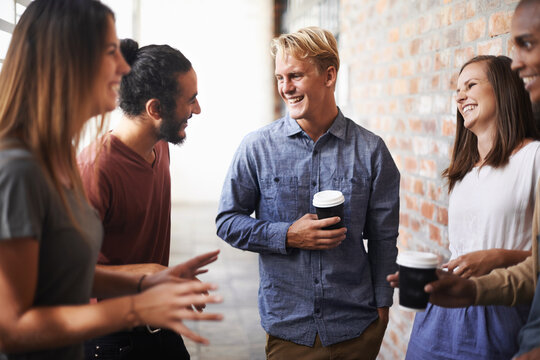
(46, 82)
(514, 121)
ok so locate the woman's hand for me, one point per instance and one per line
(481, 262)
(168, 305)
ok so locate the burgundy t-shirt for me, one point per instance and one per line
(133, 198)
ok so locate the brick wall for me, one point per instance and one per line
(401, 59)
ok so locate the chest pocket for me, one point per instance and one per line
(279, 196)
(356, 191)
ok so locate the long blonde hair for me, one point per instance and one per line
(47, 79)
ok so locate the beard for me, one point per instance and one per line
(169, 130)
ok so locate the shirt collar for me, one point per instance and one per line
(337, 128)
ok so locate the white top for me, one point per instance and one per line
(493, 208)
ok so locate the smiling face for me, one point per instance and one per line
(525, 32)
(304, 90)
(476, 98)
(173, 126)
(113, 67)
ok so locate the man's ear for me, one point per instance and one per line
(331, 75)
(153, 109)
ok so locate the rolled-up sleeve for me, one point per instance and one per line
(239, 199)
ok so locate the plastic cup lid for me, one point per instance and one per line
(328, 198)
(417, 259)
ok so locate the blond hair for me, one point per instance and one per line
(47, 80)
(312, 43)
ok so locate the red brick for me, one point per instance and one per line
(381, 6)
(413, 85)
(491, 47)
(419, 187)
(404, 238)
(424, 64)
(393, 35)
(409, 29)
(415, 225)
(435, 191)
(449, 126)
(458, 13)
(444, 17)
(435, 234)
(424, 24)
(475, 30)
(471, 9)
(415, 125)
(461, 56)
(405, 144)
(427, 210)
(399, 87)
(404, 219)
(429, 126)
(442, 215)
(499, 23)
(392, 143)
(414, 47)
(411, 164)
(442, 60)
(428, 168)
(411, 204)
(435, 82)
(407, 68)
(393, 71)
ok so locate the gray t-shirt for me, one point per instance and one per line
(31, 207)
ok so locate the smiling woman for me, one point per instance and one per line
(492, 175)
(63, 66)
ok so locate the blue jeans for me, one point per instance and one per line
(137, 344)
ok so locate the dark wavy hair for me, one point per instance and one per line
(515, 121)
(154, 75)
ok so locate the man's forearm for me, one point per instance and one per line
(508, 286)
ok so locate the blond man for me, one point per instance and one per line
(321, 294)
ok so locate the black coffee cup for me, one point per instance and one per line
(416, 270)
(329, 203)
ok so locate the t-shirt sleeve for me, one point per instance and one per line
(23, 199)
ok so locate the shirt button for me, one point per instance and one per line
(315, 152)
(316, 281)
(317, 311)
(314, 183)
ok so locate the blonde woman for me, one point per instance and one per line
(63, 67)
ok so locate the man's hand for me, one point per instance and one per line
(451, 291)
(182, 272)
(307, 233)
(384, 314)
(393, 279)
(534, 354)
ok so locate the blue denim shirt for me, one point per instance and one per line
(275, 172)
